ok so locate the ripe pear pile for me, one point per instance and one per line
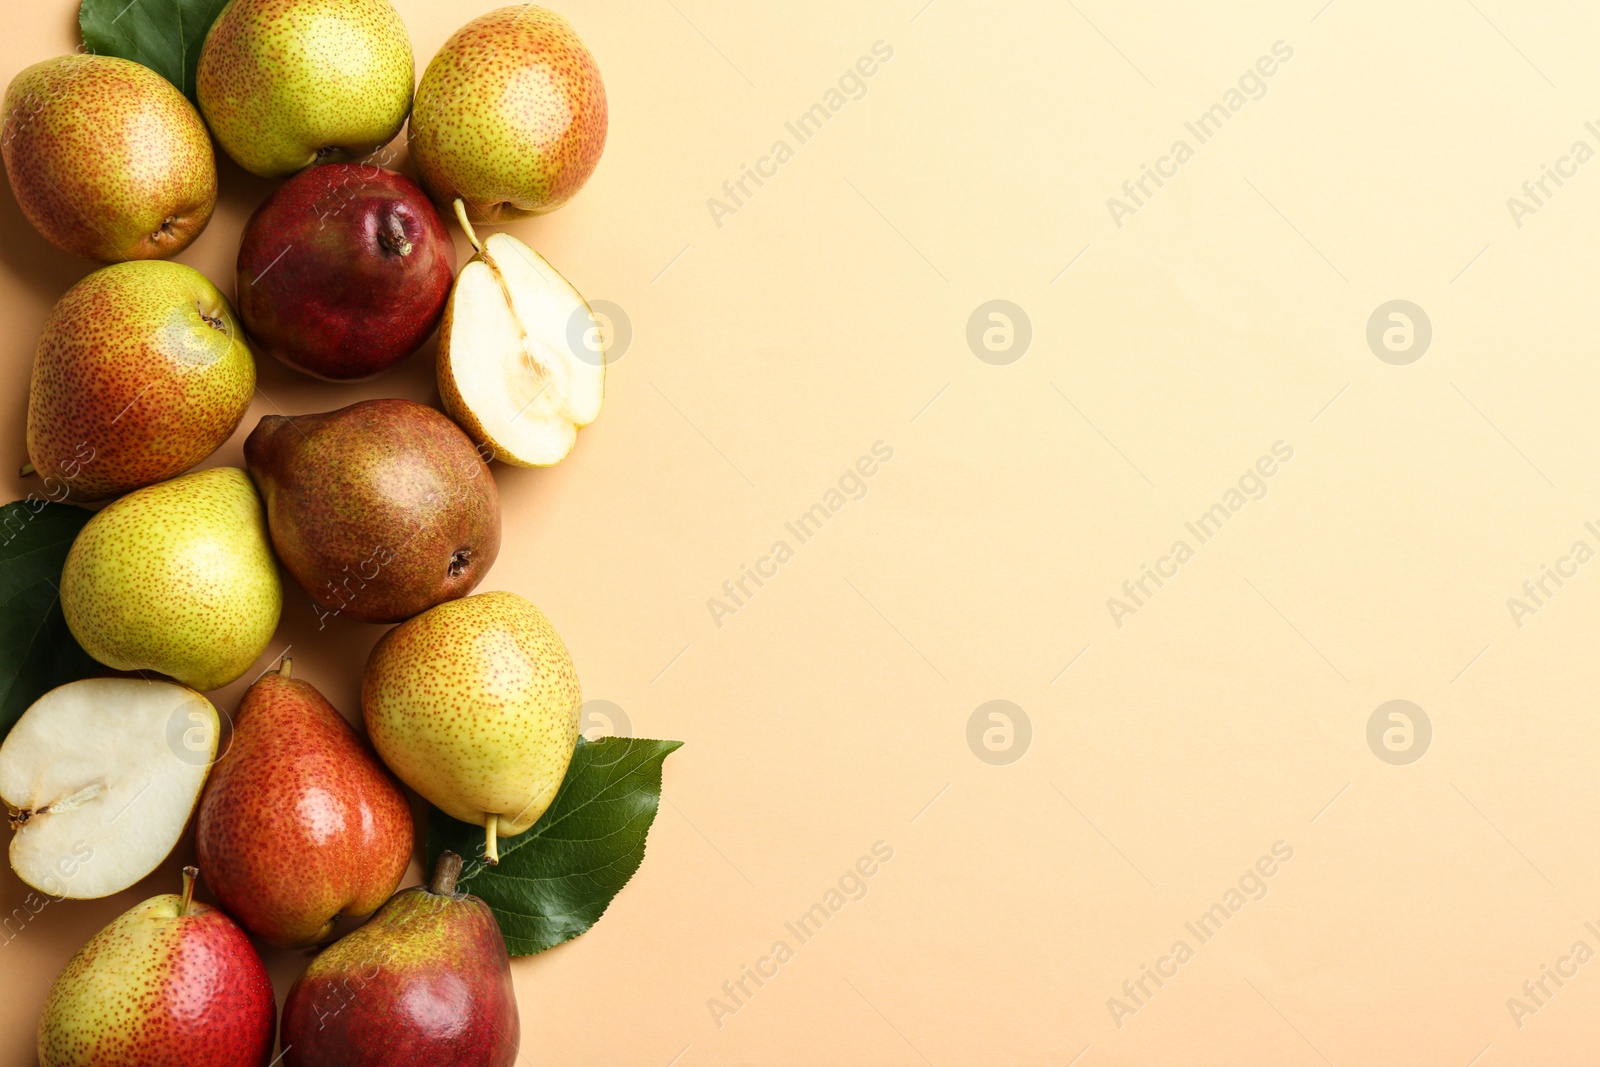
(380, 511)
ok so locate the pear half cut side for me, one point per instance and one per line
(518, 366)
(99, 778)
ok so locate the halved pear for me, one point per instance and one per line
(99, 778)
(520, 365)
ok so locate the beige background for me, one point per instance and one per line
(1167, 755)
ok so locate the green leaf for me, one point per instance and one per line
(37, 652)
(164, 35)
(556, 880)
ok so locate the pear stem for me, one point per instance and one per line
(27, 469)
(491, 832)
(466, 224)
(472, 235)
(445, 873)
(393, 237)
(285, 667)
(189, 875)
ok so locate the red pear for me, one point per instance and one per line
(171, 983)
(425, 981)
(299, 822)
(344, 270)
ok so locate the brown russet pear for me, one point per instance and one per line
(299, 822)
(425, 981)
(380, 510)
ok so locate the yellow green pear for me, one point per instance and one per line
(510, 115)
(474, 704)
(284, 84)
(178, 578)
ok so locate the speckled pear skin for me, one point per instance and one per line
(299, 822)
(425, 981)
(380, 510)
(284, 84)
(156, 989)
(177, 578)
(142, 371)
(474, 704)
(510, 115)
(107, 159)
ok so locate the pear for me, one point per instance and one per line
(300, 823)
(287, 83)
(380, 510)
(425, 981)
(170, 983)
(344, 270)
(142, 372)
(510, 115)
(517, 367)
(177, 578)
(99, 778)
(107, 159)
(474, 704)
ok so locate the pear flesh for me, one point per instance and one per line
(99, 778)
(516, 369)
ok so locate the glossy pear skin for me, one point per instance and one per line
(177, 578)
(425, 981)
(160, 988)
(299, 822)
(284, 84)
(510, 115)
(380, 510)
(107, 159)
(475, 706)
(142, 371)
(344, 271)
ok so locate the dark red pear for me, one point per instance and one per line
(344, 270)
(425, 981)
(380, 510)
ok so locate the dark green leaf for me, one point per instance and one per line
(164, 35)
(555, 881)
(37, 653)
